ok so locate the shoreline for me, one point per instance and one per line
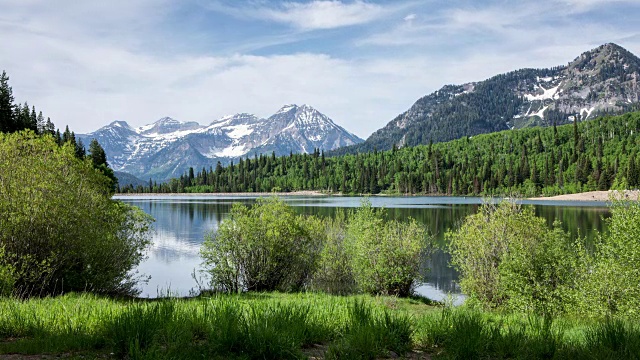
(593, 196)
(589, 196)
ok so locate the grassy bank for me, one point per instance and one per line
(276, 326)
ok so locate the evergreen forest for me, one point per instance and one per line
(599, 154)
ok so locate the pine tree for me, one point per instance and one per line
(98, 156)
(99, 159)
(23, 117)
(632, 172)
(33, 120)
(66, 136)
(49, 127)
(41, 123)
(7, 118)
(81, 152)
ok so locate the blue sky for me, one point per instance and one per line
(360, 62)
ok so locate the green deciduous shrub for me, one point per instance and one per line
(610, 283)
(60, 229)
(7, 275)
(268, 247)
(263, 248)
(508, 257)
(334, 274)
(385, 255)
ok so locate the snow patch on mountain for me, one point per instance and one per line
(286, 109)
(547, 94)
(239, 131)
(168, 147)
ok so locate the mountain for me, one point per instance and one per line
(603, 80)
(125, 179)
(168, 147)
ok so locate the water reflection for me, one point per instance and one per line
(182, 222)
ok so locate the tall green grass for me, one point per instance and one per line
(278, 326)
(270, 326)
(465, 333)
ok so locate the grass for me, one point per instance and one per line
(289, 326)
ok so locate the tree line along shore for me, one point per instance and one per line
(594, 155)
(586, 196)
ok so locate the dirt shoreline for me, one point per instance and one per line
(585, 196)
(594, 196)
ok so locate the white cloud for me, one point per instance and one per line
(314, 15)
(325, 14)
(87, 85)
(410, 17)
(88, 65)
(585, 5)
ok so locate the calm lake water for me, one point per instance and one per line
(182, 222)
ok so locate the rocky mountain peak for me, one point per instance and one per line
(287, 109)
(121, 124)
(605, 59)
(168, 147)
(242, 118)
(167, 125)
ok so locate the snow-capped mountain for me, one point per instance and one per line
(168, 147)
(599, 81)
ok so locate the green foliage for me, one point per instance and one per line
(7, 119)
(99, 160)
(288, 326)
(385, 255)
(464, 333)
(60, 229)
(508, 257)
(334, 274)
(263, 248)
(369, 335)
(7, 275)
(610, 285)
(613, 339)
(528, 162)
(265, 326)
(268, 247)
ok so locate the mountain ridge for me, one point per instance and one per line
(599, 81)
(168, 147)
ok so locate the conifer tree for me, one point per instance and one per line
(41, 124)
(98, 156)
(33, 120)
(99, 159)
(632, 172)
(7, 118)
(81, 152)
(49, 127)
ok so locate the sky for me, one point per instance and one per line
(361, 62)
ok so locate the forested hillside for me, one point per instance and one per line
(598, 82)
(599, 154)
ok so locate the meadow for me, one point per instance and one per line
(298, 326)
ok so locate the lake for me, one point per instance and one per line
(182, 222)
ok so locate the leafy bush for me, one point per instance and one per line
(263, 248)
(508, 257)
(611, 277)
(7, 275)
(334, 274)
(59, 227)
(385, 255)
